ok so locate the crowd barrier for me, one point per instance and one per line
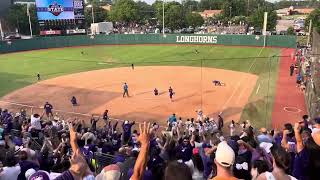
(125, 39)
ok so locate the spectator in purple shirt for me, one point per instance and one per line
(184, 150)
(307, 160)
(126, 126)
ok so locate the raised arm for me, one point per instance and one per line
(298, 137)
(141, 163)
(284, 141)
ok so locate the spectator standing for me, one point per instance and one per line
(232, 128)
(106, 115)
(126, 127)
(224, 160)
(281, 165)
(220, 122)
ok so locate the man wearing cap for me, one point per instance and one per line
(264, 136)
(224, 160)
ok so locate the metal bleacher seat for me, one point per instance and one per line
(102, 160)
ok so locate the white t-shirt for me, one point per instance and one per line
(35, 123)
(269, 176)
(232, 129)
(10, 173)
(196, 174)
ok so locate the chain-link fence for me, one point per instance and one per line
(312, 93)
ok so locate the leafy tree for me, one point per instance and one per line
(18, 19)
(233, 8)
(125, 11)
(146, 11)
(315, 16)
(174, 17)
(210, 4)
(100, 15)
(256, 19)
(290, 31)
(190, 5)
(194, 20)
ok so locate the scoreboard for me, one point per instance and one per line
(60, 16)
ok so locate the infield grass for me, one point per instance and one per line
(19, 69)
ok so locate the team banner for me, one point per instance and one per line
(55, 9)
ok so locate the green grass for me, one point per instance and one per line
(19, 69)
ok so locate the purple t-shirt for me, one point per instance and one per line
(184, 152)
(300, 165)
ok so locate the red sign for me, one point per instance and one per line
(50, 32)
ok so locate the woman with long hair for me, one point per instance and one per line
(281, 165)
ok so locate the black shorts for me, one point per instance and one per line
(298, 81)
(48, 113)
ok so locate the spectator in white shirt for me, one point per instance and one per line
(35, 122)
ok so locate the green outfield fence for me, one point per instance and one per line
(122, 39)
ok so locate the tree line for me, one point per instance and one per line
(177, 15)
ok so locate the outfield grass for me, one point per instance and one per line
(19, 69)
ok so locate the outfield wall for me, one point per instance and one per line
(118, 39)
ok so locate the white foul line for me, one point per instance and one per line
(258, 89)
(239, 83)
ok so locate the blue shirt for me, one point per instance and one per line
(172, 119)
(125, 87)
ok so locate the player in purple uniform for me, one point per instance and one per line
(171, 93)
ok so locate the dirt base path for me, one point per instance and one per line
(102, 89)
(289, 105)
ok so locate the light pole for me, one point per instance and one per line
(163, 18)
(92, 13)
(28, 13)
(230, 10)
(1, 31)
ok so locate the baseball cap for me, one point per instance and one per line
(126, 122)
(225, 155)
(29, 172)
(195, 151)
(39, 175)
(111, 172)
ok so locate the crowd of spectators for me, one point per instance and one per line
(200, 148)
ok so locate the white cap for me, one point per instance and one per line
(29, 172)
(225, 155)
